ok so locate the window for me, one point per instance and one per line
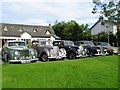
(47, 32)
(5, 29)
(34, 30)
(21, 30)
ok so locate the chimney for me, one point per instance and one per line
(49, 24)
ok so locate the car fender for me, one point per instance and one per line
(46, 51)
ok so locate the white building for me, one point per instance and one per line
(99, 27)
(25, 32)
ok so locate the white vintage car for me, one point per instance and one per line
(47, 51)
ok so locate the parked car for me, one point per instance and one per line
(111, 49)
(47, 51)
(72, 50)
(90, 48)
(17, 51)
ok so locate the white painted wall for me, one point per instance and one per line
(100, 28)
(25, 35)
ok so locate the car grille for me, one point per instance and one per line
(56, 51)
(24, 54)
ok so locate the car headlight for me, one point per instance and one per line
(16, 53)
(51, 51)
(32, 52)
(105, 49)
(98, 50)
(114, 50)
(79, 50)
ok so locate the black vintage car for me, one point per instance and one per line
(90, 48)
(72, 50)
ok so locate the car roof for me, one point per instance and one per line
(83, 41)
(63, 40)
(100, 42)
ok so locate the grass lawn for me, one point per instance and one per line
(96, 72)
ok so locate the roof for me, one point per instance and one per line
(95, 24)
(56, 37)
(18, 29)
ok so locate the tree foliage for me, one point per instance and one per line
(108, 12)
(72, 31)
(103, 37)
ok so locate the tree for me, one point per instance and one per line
(108, 11)
(71, 30)
(103, 37)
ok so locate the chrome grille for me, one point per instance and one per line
(56, 50)
(24, 54)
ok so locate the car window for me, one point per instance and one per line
(89, 44)
(58, 44)
(35, 43)
(69, 43)
(16, 44)
(42, 43)
(105, 44)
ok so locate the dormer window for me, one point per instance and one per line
(5, 29)
(47, 32)
(34, 30)
(21, 30)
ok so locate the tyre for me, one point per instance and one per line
(92, 54)
(71, 55)
(44, 57)
(5, 58)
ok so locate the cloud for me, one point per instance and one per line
(48, 11)
(82, 1)
(35, 22)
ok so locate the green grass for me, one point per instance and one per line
(0, 76)
(96, 72)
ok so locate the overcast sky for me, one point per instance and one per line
(43, 12)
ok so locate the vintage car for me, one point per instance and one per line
(111, 49)
(72, 50)
(90, 48)
(47, 51)
(17, 51)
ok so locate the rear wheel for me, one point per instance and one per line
(44, 57)
(5, 58)
(71, 55)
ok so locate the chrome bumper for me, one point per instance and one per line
(56, 57)
(23, 61)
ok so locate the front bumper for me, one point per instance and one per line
(56, 57)
(23, 61)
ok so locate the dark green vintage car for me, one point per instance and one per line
(17, 51)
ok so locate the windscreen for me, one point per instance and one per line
(69, 43)
(16, 44)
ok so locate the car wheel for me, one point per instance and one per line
(63, 58)
(44, 57)
(5, 59)
(71, 55)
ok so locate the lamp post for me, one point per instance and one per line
(118, 21)
(107, 26)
